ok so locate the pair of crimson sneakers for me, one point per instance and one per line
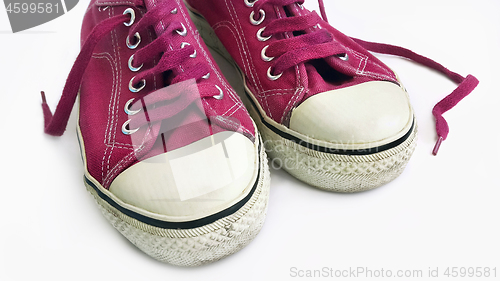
(172, 156)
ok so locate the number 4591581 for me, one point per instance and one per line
(33, 8)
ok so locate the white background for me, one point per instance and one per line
(441, 212)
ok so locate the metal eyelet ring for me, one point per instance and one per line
(184, 44)
(137, 37)
(260, 37)
(182, 32)
(263, 54)
(126, 131)
(345, 57)
(134, 89)
(206, 76)
(250, 4)
(318, 26)
(174, 11)
(131, 67)
(260, 20)
(273, 77)
(220, 95)
(132, 16)
(127, 108)
(301, 6)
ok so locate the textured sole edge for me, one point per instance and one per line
(196, 246)
(337, 173)
(331, 172)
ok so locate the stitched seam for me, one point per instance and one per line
(228, 26)
(108, 124)
(123, 147)
(114, 3)
(114, 119)
(229, 109)
(280, 90)
(297, 77)
(361, 60)
(368, 73)
(279, 94)
(290, 104)
(114, 143)
(248, 58)
(111, 174)
(186, 19)
(107, 56)
(245, 46)
(295, 96)
(120, 164)
(207, 59)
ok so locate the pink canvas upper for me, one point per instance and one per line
(318, 52)
(184, 103)
(309, 56)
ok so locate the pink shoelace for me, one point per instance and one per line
(55, 124)
(320, 44)
(315, 45)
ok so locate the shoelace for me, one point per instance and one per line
(298, 49)
(55, 124)
(320, 44)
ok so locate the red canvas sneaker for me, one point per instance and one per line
(171, 155)
(330, 113)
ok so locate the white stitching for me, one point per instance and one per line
(115, 3)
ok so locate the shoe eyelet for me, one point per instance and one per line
(133, 89)
(262, 38)
(249, 3)
(318, 26)
(132, 16)
(182, 32)
(300, 6)
(126, 131)
(345, 57)
(174, 11)
(273, 77)
(184, 44)
(220, 95)
(206, 76)
(137, 37)
(131, 67)
(263, 54)
(128, 110)
(260, 20)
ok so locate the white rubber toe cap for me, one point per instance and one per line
(371, 112)
(191, 182)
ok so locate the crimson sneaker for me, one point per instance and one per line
(171, 155)
(330, 113)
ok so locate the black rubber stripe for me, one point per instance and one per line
(179, 225)
(365, 151)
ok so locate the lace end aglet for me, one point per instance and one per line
(437, 146)
(44, 100)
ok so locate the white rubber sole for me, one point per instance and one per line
(191, 246)
(327, 171)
